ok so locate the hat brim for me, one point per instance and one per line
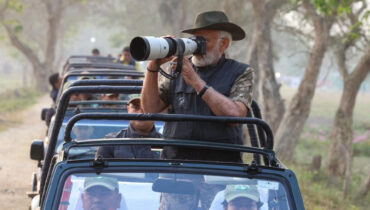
(133, 99)
(237, 33)
(252, 197)
(100, 184)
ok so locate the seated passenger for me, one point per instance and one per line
(101, 193)
(136, 129)
(110, 97)
(95, 52)
(241, 197)
(55, 81)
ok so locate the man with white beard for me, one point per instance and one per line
(209, 84)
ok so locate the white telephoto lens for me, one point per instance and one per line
(158, 47)
(190, 46)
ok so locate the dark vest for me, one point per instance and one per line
(184, 100)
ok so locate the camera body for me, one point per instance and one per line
(149, 48)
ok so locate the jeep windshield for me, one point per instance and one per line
(178, 190)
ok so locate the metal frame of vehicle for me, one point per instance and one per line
(59, 116)
(70, 66)
(65, 168)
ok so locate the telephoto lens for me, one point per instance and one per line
(149, 48)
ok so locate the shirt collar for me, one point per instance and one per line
(133, 133)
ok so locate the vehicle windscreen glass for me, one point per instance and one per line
(170, 191)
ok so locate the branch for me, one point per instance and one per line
(294, 31)
(3, 8)
(340, 54)
(17, 43)
(362, 67)
(310, 10)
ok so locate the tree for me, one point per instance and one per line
(262, 51)
(339, 159)
(42, 59)
(299, 108)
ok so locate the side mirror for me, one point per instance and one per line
(43, 113)
(37, 150)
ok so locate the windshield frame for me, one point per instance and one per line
(66, 168)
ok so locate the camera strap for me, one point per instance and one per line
(180, 56)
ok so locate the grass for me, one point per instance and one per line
(318, 190)
(319, 193)
(9, 81)
(15, 100)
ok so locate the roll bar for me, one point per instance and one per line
(60, 112)
(171, 118)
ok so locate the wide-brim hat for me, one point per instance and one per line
(217, 20)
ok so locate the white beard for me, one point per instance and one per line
(207, 59)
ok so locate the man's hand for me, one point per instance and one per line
(190, 76)
(188, 73)
(155, 64)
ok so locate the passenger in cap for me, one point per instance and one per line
(136, 129)
(101, 193)
(241, 197)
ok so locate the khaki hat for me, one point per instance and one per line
(216, 20)
(245, 191)
(107, 182)
(133, 97)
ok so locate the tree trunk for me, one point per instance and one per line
(273, 105)
(38, 70)
(364, 189)
(299, 107)
(41, 71)
(55, 12)
(340, 150)
(252, 60)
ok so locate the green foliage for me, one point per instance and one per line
(362, 149)
(18, 29)
(320, 192)
(15, 5)
(366, 15)
(331, 7)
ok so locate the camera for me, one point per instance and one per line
(149, 48)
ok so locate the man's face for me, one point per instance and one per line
(213, 49)
(58, 83)
(242, 204)
(110, 97)
(134, 107)
(126, 56)
(100, 198)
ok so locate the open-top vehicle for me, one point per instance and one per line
(141, 182)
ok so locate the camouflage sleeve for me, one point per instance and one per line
(242, 89)
(164, 86)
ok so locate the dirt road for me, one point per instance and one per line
(15, 165)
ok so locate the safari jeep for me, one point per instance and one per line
(168, 183)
